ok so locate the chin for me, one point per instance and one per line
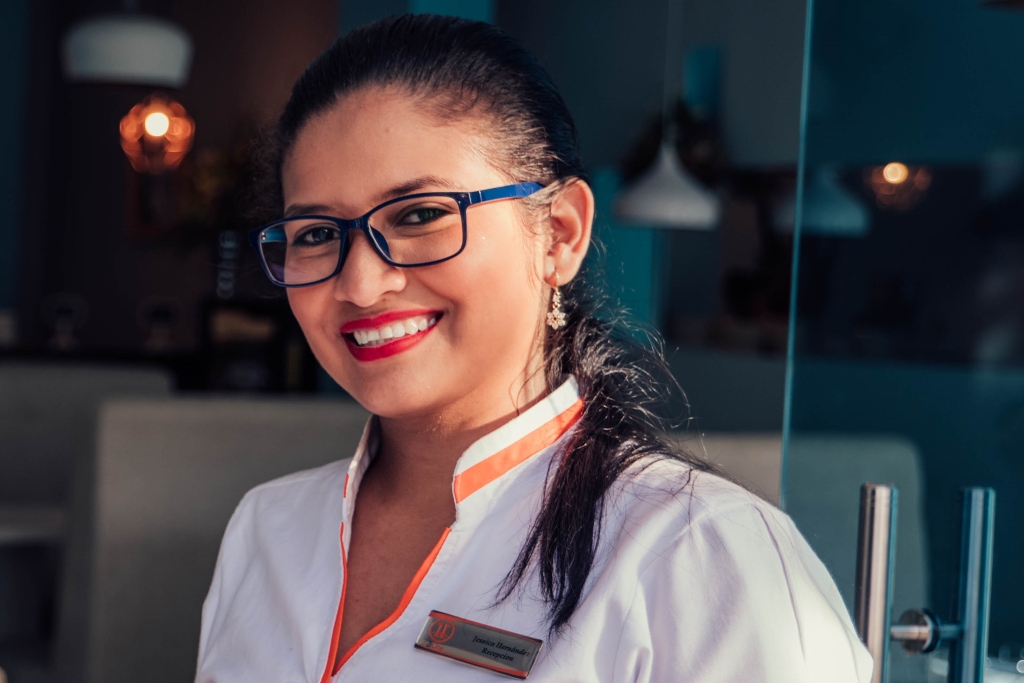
(401, 393)
(386, 404)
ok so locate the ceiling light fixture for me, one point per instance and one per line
(156, 135)
(666, 194)
(127, 48)
(829, 209)
(898, 186)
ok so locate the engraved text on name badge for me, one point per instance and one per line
(478, 644)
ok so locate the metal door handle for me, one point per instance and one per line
(876, 542)
(919, 630)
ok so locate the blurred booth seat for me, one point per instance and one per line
(48, 415)
(169, 475)
(754, 460)
(48, 421)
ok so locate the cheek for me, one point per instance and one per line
(499, 286)
(308, 308)
(299, 305)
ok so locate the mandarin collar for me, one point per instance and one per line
(493, 455)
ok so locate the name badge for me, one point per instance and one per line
(478, 644)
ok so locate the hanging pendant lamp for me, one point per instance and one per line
(127, 48)
(829, 208)
(666, 195)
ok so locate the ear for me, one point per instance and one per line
(570, 221)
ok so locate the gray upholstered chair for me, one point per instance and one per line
(169, 474)
(47, 435)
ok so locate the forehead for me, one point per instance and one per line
(375, 139)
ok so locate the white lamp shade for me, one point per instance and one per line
(667, 196)
(829, 209)
(128, 49)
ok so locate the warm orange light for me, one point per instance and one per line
(156, 134)
(895, 172)
(157, 123)
(897, 186)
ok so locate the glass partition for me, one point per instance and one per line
(907, 335)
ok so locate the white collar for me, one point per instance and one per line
(494, 455)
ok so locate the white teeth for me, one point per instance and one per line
(394, 331)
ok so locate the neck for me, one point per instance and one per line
(418, 455)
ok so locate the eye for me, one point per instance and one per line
(317, 235)
(422, 215)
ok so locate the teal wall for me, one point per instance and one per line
(628, 259)
(481, 10)
(353, 13)
(903, 80)
(14, 39)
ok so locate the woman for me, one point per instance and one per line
(511, 505)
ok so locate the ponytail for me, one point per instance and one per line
(626, 389)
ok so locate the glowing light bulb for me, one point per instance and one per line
(156, 134)
(895, 172)
(157, 124)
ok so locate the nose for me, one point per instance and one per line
(365, 277)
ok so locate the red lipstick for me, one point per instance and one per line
(390, 347)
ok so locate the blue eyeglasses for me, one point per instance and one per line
(409, 232)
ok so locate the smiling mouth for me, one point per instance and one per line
(407, 327)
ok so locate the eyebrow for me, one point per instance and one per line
(409, 187)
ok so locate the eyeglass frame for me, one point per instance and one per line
(361, 223)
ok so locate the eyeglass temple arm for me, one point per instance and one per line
(508, 192)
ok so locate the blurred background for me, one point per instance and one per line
(819, 204)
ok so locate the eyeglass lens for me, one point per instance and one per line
(408, 232)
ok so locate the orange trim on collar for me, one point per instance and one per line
(407, 597)
(484, 472)
(336, 632)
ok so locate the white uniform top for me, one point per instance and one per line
(695, 579)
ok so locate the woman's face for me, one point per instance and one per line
(488, 302)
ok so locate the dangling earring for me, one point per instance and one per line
(556, 317)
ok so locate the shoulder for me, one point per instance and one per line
(282, 529)
(306, 494)
(685, 515)
(665, 501)
(317, 479)
(717, 555)
(285, 515)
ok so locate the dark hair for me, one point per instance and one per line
(461, 66)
